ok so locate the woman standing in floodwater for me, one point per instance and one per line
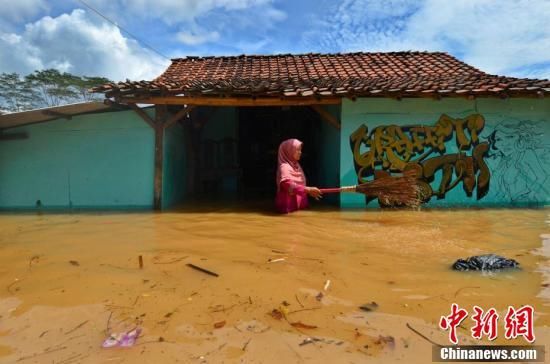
(291, 181)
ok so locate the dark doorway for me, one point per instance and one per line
(261, 130)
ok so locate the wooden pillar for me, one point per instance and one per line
(160, 118)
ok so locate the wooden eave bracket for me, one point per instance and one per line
(143, 115)
(177, 116)
(327, 116)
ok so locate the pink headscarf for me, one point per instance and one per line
(289, 169)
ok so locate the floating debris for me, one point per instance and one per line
(309, 340)
(246, 344)
(123, 339)
(388, 341)
(33, 260)
(74, 262)
(487, 262)
(219, 325)
(203, 270)
(301, 325)
(276, 314)
(369, 306)
(157, 260)
(276, 260)
(77, 327)
(327, 284)
(423, 336)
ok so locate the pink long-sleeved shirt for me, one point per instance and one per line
(291, 197)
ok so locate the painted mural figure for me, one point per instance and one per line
(292, 191)
(519, 160)
(422, 148)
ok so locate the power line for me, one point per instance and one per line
(121, 28)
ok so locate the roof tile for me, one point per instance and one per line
(347, 74)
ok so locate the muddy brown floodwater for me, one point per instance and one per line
(67, 280)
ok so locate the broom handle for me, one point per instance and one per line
(338, 189)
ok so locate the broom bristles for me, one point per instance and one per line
(394, 190)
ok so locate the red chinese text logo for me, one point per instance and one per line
(452, 321)
(520, 323)
(516, 323)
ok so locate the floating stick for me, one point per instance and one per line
(202, 270)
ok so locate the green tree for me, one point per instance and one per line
(53, 86)
(46, 88)
(84, 83)
(17, 94)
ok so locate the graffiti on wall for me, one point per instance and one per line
(424, 149)
(519, 159)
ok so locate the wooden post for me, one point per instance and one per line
(160, 118)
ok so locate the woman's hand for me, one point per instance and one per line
(314, 192)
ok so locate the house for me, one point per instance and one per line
(213, 129)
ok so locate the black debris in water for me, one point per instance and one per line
(369, 306)
(487, 262)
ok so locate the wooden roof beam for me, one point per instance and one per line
(232, 101)
(327, 116)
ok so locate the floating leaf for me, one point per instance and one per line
(219, 325)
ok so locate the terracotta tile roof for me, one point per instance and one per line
(347, 74)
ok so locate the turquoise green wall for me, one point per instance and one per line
(96, 160)
(519, 165)
(173, 183)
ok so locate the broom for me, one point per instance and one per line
(402, 190)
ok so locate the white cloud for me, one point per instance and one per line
(178, 11)
(20, 10)
(74, 43)
(510, 38)
(192, 38)
(496, 36)
(197, 21)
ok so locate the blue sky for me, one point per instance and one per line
(505, 37)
